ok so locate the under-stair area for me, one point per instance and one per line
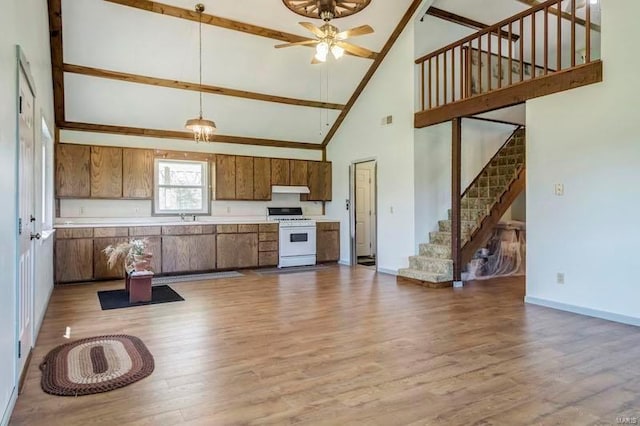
(483, 204)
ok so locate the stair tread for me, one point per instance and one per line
(424, 276)
(430, 259)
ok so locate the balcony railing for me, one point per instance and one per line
(552, 36)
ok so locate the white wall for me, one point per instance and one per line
(587, 139)
(25, 23)
(391, 91)
(480, 141)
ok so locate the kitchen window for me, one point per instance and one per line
(181, 186)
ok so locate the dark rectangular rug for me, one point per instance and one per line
(115, 299)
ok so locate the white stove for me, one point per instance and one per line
(297, 242)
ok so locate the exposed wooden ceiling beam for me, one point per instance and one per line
(55, 35)
(184, 85)
(230, 24)
(372, 69)
(562, 14)
(172, 134)
(466, 22)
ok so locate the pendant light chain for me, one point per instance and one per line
(200, 55)
(202, 129)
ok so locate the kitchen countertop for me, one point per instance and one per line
(62, 223)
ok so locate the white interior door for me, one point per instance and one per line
(26, 221)
(363, 212)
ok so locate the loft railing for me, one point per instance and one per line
(492, 59)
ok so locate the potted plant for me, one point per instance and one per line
(132, 254)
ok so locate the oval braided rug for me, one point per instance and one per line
(95, 365)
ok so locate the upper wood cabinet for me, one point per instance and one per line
(73, 176)
(262, 178)
(319, 181)
(244, 178)
(225, 185)
(298, 172)
(279, 171)
(106, 172)
(137, 173)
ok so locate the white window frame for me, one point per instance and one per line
(206, 208)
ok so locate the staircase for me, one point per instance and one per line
(482, 205)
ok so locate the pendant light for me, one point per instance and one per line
(202, 128)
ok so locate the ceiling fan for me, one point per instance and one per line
(328, 37)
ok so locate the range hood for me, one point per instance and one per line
(277, 189)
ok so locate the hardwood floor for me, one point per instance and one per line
(346, 346)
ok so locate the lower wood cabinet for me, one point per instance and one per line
(74, 260)
(101, 270)
(188, 253)
(268, 240)
(327, 242)
(237, 250)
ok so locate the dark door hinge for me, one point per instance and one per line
(19, 349)
(20, 105)
(19, 226)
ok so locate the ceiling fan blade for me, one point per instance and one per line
(297, 43)
(355, 50)
(354, 32)
(315, 30)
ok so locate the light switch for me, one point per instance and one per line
(559, 189)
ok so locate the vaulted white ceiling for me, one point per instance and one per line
(105, 35)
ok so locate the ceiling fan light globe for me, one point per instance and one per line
(320, 56)
(322, 48)
(337, 51)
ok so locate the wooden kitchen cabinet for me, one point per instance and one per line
(188, 253)
(137, 173)
(262, 179)
(74, 260)
(280, 171)
(225, 182)
(237, 250)
(106, 172)
(73, 176)
(319, 175)
(298, 172)
(101, 270)
(268, 248)
(244, 178)
(327, 242)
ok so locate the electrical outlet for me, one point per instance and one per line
(81, 210)
(559, 189)
(228, 209)
(391, 210)
(560, 278)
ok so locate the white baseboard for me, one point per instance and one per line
(4, 421)
(344, 262)
(388, 271)
(609, 316)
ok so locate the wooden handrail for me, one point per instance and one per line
(491, 161)
(487, 74)
(490, 29)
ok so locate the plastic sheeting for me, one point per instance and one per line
(504, 255)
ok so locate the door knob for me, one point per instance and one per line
(35, 236)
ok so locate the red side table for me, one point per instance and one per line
(138, 285)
